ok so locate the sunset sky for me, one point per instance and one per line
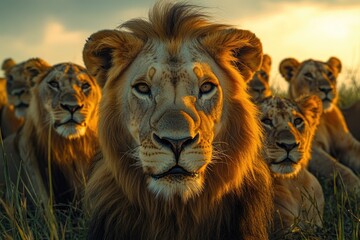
(56, 30)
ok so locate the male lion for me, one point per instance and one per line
(334, 148)
(61, 124)
(290, 127)
(258, 86)
(19, 80)
(178, 132)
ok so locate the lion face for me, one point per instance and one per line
(289, 128)
(165, 101)
(19, 80)
(258, 86)
(174, 111)
(69, 96)
(313, 77)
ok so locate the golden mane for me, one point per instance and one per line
(236, 200)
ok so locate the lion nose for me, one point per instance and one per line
(71, 108)
(18, 92)
(176, 145)
(287, 146)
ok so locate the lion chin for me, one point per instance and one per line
(185, 186)
(71, 130)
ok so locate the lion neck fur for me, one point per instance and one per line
(226, 186)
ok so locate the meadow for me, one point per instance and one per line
(20, 220)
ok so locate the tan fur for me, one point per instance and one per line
(352, 118)
(215, 186)
(19, 80)
(258, 86)
(290, 127)
(60, 88)
(334, 150)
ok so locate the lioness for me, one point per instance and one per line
(59, 134)
(334, 148)
(289, 128)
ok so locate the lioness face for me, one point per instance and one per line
(313, 77)
(288, 133)
(70, 96)
(258, 86)
(18, 85)
(174, 105)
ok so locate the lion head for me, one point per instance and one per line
(312, 77)
(20, 80)
(259, 87)
(66, 98)
(177, 129)
(289, 128)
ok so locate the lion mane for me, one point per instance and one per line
(335, 150)
(197, 172)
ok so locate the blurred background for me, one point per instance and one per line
(56, 30)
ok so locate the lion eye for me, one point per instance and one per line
(267, 121)
(298, 121)
(54, 84)
(206, 88)
(142, 88)
(85, 86)
(308, 75)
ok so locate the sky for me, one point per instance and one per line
(56, 30)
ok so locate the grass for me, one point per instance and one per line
(24, 221)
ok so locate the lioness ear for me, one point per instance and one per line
(107, 48)
(266, 63)
(288, 67)
(335, 65)
(35, 66)
(311, 106)
(8, 64)
(239, 47)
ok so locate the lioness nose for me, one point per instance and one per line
(176, 145)
(287, 146)
(325, 89)
(18, 92)
(71, 108)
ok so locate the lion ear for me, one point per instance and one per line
(108, 48)
(7, 65)
(266, 63)
(311, 107)
(239, 47)
(335, 65)
(35, 66)
(288, 67)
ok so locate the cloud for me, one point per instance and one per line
(306, 31)
(55, 45)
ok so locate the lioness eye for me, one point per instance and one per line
(308, 75)
(53, 84)
(267, 121)
(85, 86)
(263, 74)
(206, 87)
(330, 75)
(10, 78)
(298, 121)
(142, 88)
